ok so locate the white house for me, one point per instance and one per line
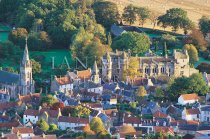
(62, 84)
(205, 114)
(71, 122)
(191, 114)
(92, 87)
(30, 115)
(188, 99)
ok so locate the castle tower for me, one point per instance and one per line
(26, 80)
(95, 74)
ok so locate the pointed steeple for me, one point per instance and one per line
(95, 68)
(25, 54)
(108, 57)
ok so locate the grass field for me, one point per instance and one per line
(195, 8)
(4, 32)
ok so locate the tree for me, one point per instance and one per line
(204, 25)
(58, 105)
(159, 94)
(143, 14)
(77, 111)
(165, 53)
(53, 127)
(129, 14)
(36, 66)
(18, 36)
(175, 17)
(138, 43)
(170, 40)
(8, 8)
(154, 18)
(43, 124)
(86, 44)
(109, 39)
(48, 100)
(106, 13)
(193, 53)
(204, 67)
(198, 40)
(141, 92)
(185, 85)
(27, 20)
(130, 71)
(97, 125)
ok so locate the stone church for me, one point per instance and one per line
(21, 83)
(150, 65)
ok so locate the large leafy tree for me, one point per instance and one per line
(197, 39)
(8, 9)
(86, 44)
(193, 53)
(129, 14)
(36, 66)
(143, 14)
(130, 71)
(138, 43)
(106, 13)
(43, 124)
(176, 18)
(77, 111)
(18, 36)
(186, 85)
(97, 125)
(48, 100)
(204, 25)
(141, 92)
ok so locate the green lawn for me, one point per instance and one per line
(201, 60)
(4, 32)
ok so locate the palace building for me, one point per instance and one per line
(150, 65)
(21, 83)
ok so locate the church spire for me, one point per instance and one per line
(25, 54)
(95, 68)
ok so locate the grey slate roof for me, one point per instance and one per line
(116, 30)
(8, 77)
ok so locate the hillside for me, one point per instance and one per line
(195, 8)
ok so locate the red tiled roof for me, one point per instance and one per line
(22, 130)
(190, 96)
(52, 113)
(28, 98)
(11, 136)
(7, 105)
(64, 80)
(84, 74)
(166, 130)
(10, 124)
(192, 111)
(132, 120)
(159, 114)
(73, 120)
(31, 112)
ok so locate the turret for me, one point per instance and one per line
(95, 74)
